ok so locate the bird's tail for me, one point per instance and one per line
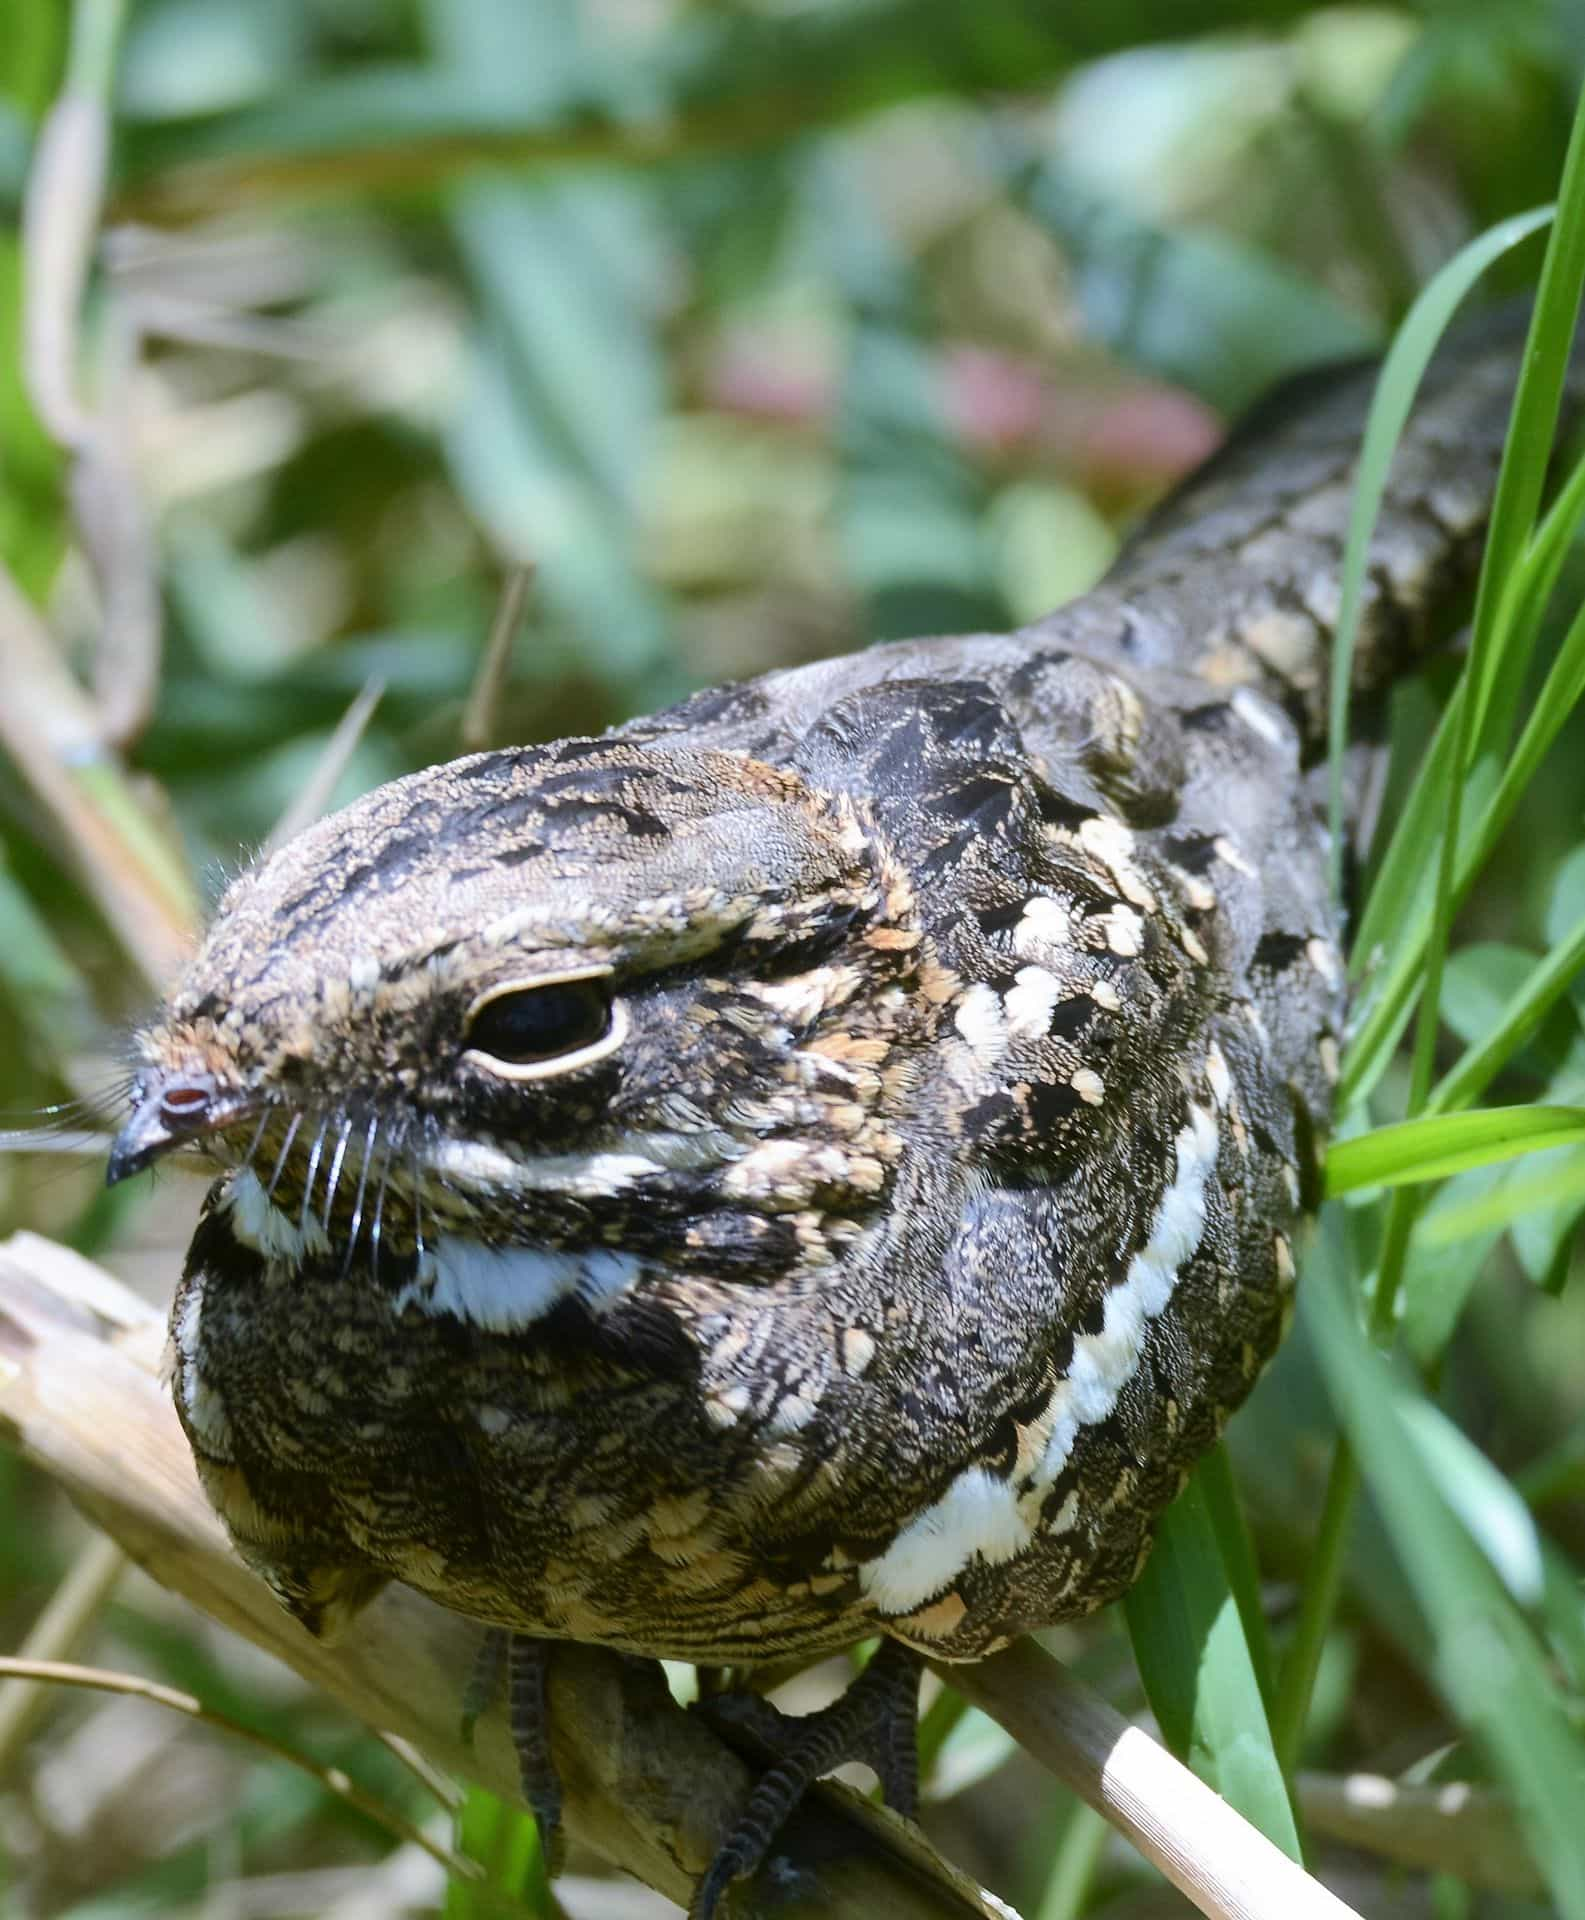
(1237, 575)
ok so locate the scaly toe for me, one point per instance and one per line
(874, 1721)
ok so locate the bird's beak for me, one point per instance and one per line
(172, 1108)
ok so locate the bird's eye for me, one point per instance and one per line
(528, 1032)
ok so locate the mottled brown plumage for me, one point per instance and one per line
(822, 1160)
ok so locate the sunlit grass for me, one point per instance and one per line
(1487, 1661)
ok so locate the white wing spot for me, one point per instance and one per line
(1113, 845)
(983, 1023)
(1323, 957)
(977, 1518)
(1030, 1002)
(586, 1175)
(1043, 925)
(1260, 716)
(1107, 838)
(858, 1350)
(1125, 931)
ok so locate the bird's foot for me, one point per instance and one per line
(484, 1682)
(874, 1721)
(525, 1662)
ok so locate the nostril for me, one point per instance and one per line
(185, 1101)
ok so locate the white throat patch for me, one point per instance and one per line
(268, 1229)
(504, 1289)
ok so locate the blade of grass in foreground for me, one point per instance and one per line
(1199, 1670)
(505, 1842)
(1538, 994)
(1390, 407)
(1390, 996)
(1403, 917)
(1520, 562)
(1487, 1662)
(1501, 641)
(1066, 1894)
(1557, 1183)
(1438, 1144)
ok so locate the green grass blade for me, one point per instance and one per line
(1323, 1584)
(1518, 563)
(1543, 562)
(1435, 1145)
(1546, 984)
(1237, 1550)
(1401, 373)
(1558, 1184)
(1404, 895)
(1493, 1513)
(1066, 1893)
(1487, 1662)
(936, 1726)
(505, 1842)
(1499, 648)
(1199, 1672)
(1497, 670)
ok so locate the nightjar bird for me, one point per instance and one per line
(824, 1160)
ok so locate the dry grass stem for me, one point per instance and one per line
(61, 210)
(314, 798)
(60, 1630)
(51, 732)
(62, 1673)
(484, 696)
(1452, 1828)
(196, 190)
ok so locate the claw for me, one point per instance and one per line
(874, 1721)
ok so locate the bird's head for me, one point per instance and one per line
(616, 993)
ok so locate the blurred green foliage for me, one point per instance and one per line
(759, 330)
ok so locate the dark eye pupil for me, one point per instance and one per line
(541, 1022)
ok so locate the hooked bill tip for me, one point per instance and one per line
(170, 1111)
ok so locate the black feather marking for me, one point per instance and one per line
(1278, 950)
